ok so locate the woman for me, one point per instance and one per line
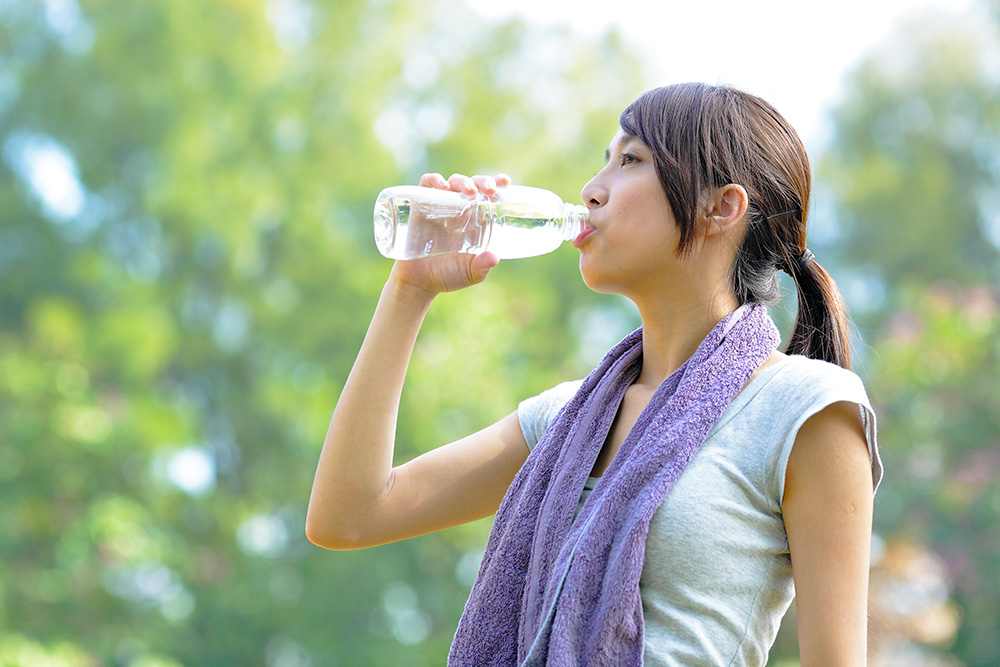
(671, 498)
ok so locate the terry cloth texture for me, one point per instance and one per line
(554, 591)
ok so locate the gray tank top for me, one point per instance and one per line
(717, 576)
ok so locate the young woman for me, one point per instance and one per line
(660, 511)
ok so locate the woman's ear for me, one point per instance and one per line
(725, 209)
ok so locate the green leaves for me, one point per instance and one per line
(172, 346)
(913, 170)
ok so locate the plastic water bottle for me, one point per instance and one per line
(519, 221)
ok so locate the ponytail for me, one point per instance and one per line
(820, 330)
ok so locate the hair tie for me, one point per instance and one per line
(799, 264)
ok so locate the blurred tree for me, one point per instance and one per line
(938, 395)
(914, 174)
(914, 161)
(187, 272)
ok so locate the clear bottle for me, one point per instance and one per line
(519, 221)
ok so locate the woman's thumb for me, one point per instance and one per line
(481, 265)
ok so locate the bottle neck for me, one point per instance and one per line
(574, 221)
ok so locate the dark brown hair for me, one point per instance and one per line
(704, 137)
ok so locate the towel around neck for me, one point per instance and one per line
(553, 590)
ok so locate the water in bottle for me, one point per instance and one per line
(519, 221)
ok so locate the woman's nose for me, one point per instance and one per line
(593, 194)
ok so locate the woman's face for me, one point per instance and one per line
(634, 240)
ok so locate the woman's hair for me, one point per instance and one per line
(704, 137)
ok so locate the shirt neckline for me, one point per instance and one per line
(738, 403)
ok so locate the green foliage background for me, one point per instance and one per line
(202, 295)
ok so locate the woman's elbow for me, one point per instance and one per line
(345, 521)
(334, 537)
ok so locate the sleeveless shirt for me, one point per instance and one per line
(717, 576)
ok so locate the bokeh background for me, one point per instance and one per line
(187, 270)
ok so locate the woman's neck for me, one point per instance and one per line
(679, 310)
(673, 330)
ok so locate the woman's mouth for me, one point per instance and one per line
(582, 236)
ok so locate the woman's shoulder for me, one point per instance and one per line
(536, 413)
(796, 389)
(796, 379)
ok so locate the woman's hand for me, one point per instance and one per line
(423, 279)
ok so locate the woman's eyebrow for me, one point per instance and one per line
(625, 140)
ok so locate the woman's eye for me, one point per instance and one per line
(626, 158)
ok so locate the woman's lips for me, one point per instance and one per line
(582, 236)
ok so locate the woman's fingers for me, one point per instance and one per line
(486, 184)
(462, 183)
(489, 185)
(434, 180)
(469, 185)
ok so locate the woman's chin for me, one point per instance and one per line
(595, 280)
(586, 273)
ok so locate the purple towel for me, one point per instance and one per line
(553, 590)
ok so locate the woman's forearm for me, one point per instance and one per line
(355, 467)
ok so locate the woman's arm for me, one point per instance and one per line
(827, 511)
(358, 499)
